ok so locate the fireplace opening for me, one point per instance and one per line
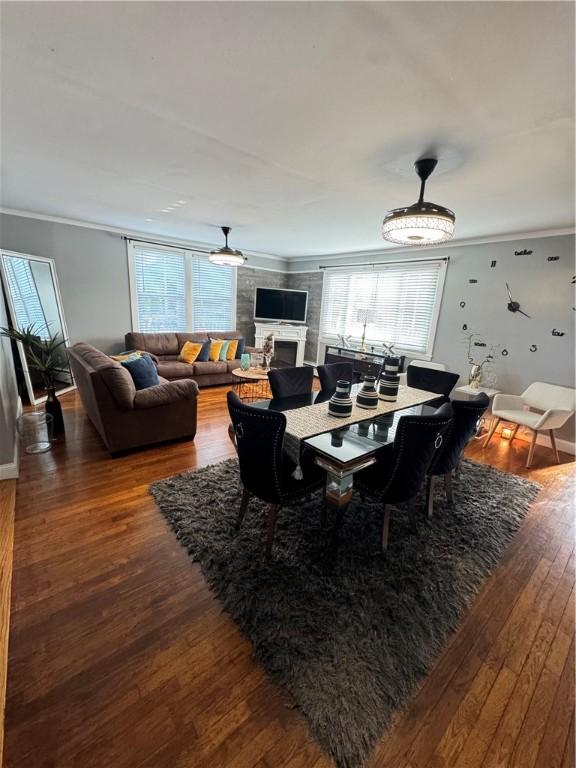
(284, 354)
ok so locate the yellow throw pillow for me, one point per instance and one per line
(126, 355)
(215, 349)
(189, 352)
(232, 347)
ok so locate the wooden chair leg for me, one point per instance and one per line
(385, 527)
(448, 487)
(554, 447)
(495, 422)
(243, 507)
(270, 528)
(513, 435)
(430, 495)
(532, 446)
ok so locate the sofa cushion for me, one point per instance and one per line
(119, 384)
(201, 369)
(172, 369)
(232, 365)
(143, 371)
(194, 337)
(158, 343)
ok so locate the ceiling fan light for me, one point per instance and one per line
(226, 256)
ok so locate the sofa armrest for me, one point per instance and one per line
(164, 394)
(251, 349)
(507, 403)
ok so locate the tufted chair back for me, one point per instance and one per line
(417, 440)
(259, 438)
(331, 373)
(467, 415)
(289, 382)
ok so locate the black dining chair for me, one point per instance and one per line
(464, 425)
(332, 372)
(401, 467)
(265, 470)
(432, 380)
(289, 382)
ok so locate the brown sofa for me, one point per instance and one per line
(129, 418)
(166, 348)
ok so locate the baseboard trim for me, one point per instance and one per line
(10, 471)
(7, 507)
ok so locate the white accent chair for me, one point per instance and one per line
(555, 405)
(422, 364)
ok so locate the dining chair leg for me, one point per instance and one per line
(243, 507)
(385, 527)
(270, 528)
(495, 422)
(531, 450)
(554, 447)
(448, 487)
(430, 495)
(513, 435)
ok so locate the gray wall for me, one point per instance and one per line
(247, 281)
(311, 282)
(8, 394)
(92, 272)
(542, 286)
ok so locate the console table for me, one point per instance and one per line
(363, 363)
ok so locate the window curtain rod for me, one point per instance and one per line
(164, 245)
(383, 263)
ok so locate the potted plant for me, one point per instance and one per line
(44, 356)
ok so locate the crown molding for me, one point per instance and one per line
(413, 250)
(129, 233)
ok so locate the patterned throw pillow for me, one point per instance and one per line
(231, 354)
(189, 352)
(215, 349)
(224, 351)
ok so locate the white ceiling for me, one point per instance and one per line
(295, 123)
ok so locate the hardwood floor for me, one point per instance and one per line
(121, 658)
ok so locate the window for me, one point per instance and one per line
(25, 297)
(399, 302)
(178, 290)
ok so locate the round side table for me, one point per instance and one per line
(251, 385)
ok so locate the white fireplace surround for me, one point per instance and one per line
(282, 332)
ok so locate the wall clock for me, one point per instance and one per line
(514, 306)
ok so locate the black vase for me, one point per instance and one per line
(53, 407)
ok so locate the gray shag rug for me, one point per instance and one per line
(350, 644)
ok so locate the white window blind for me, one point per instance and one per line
(24, 292)
(400, 303)
(178, 290)
(213, 301)
(160, 288)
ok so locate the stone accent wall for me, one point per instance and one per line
(247, 281)
(311, 282)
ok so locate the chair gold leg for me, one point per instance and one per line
(385, 527)
(448, 487)
(532, 446)
(493, 426)
(430, 495)
(243, 507)
(554, 448)
(513, 435)
(270, 528)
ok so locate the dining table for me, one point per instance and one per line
(344, 446)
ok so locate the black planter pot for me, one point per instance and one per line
(54, 408)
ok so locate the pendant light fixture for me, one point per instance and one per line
(422, 223)
(226, 256)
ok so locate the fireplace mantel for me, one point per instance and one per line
(283, 332)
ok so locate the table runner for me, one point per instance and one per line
(312, 420)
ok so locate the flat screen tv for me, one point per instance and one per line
(280, 304)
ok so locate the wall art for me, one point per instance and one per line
(558, 333)
(553, 258)
(504, 353)
(462, 304)
(522, 253)
(464, 327)
(533, 348)
(493, 264)
(472, 280)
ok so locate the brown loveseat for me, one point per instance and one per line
(126, 417)
(166, 348)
